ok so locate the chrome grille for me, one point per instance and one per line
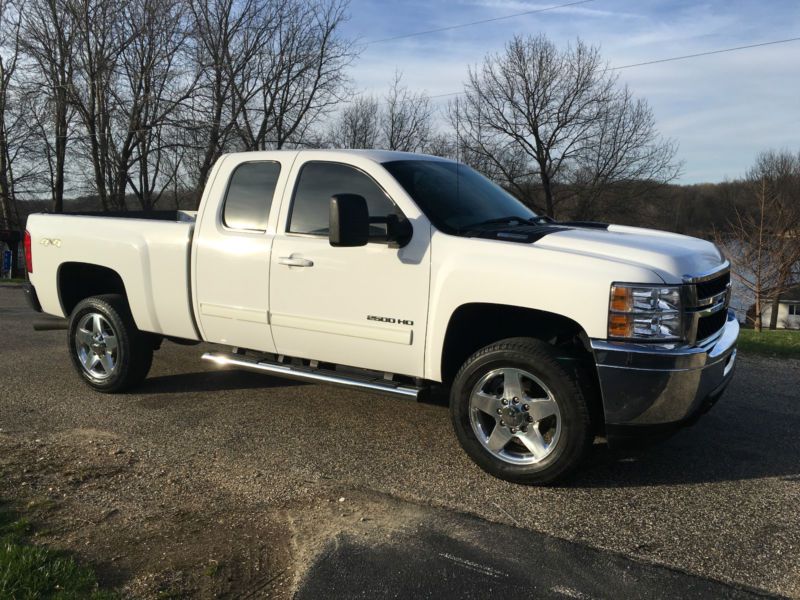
(708, 326)
(712, 287)
(707, 301)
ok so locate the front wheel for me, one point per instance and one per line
(107, 350)
(519, 414)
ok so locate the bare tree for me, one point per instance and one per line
(155, 83)
(300, 73)
(48, 39)
(746, 245)
(407, 121)
(622, 148)
(779, 175)
(9, 61)
(147, 94)
(358, 125)
(404, 122)
(128, 84)
(444, 145)
(227, 36)
(557, 110)
(100, 39)
(762, 237)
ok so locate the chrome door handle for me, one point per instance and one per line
(292, 261)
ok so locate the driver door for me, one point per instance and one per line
(364, 306)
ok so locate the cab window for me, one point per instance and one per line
(249, 196)
(318, 181)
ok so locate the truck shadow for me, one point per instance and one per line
(743, 437)
(721, 447)
(211, 381)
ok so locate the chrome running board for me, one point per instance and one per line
(313, 374)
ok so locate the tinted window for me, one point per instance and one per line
(249, 196)
(454, 196)
(319, 181)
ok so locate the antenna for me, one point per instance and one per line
(458, 153)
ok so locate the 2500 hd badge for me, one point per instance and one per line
(390, 320)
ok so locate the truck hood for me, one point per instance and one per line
(670, 255)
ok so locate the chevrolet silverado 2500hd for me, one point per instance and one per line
(394, 272)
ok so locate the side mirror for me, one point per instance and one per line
(349, 221)
(398, 231)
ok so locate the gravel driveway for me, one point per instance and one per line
(219, 483)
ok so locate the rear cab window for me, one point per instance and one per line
(248, 199)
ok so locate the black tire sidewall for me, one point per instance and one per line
(536, 358)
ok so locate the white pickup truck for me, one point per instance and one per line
(395, 272)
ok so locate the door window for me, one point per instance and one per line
(318, 181)
(249, 195)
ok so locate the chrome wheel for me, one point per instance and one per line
(96, 346)
(515, 416)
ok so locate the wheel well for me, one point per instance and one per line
(473, 326)
(77, 281)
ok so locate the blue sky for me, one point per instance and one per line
(721, 110)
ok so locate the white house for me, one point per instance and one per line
(788, 310)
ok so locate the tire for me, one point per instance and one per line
(107, 350)
(519, 414)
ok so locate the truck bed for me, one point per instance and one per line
(149, 252)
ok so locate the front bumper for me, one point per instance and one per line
(646, 387)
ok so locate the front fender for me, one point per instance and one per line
(471, 270)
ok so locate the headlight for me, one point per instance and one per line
(643, 312)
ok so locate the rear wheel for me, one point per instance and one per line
(107, 350)
(519, 413)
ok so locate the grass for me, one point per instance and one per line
(28, 571)
(212, 569)
(14, 280)
(780, 343)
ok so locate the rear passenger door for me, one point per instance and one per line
(232, 246)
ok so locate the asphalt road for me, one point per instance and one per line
(719, 500)
(449, 556)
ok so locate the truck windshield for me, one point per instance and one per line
(455, 197)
